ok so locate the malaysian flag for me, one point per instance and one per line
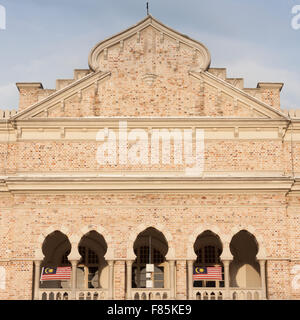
(59, 273)
(207, 273)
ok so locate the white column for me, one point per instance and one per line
(74, 279)
(129, 279)
(226, 279)
(37, 265)
(262, 264)
(172, 279)
(190, 279)
(111, 279)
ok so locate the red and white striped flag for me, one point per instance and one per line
(59, 273)
(207, 273)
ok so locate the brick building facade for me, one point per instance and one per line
(61, 206)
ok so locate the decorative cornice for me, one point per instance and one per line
(271, 85)
(21, 184)
(26, 85)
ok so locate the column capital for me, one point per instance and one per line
(226, 261)
(74, 262)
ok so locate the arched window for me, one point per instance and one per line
(92, 267)
(150, 247)
(244, 268)
(56, 248)
(208, 249)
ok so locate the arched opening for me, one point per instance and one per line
(208, 270)
(92, 269)
(150, 268)
(56, 248)
(244, 268)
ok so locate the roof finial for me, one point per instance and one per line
(147, 8)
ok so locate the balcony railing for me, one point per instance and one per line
(246, 294)
(80, 294)
(221, 294)
(153, 294)
(150, 294)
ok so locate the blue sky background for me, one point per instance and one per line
(46, 40)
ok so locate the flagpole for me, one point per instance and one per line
(41, 274)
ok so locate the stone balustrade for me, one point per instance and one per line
(80, 294)
(234, 294)
(150, 294)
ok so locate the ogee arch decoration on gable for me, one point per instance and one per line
(101, 50)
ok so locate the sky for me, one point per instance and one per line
(45, 40)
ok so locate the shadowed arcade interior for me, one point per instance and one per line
(208, 248)
(244, 269)
(150, 247)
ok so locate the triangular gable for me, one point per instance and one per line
(124, 84)
(239, 95)
(58, 98)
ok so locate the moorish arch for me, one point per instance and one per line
(150, 248)
(142, 227)
(92, 268)
(262, 252)
(208, 248)
(55, 249)
(244, 268)
(109, 255)
(191, 255)
(38, 256)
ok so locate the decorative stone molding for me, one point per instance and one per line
(226, 254)
(149, 78)
(74, 254)
(38, 252)
(107, 237)
(191, 255)
(99, 229)
(38, 255)
(262, 254)
(101, 50)
(58, 96)
(142, 227)
(270, 85)
(244, 97)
